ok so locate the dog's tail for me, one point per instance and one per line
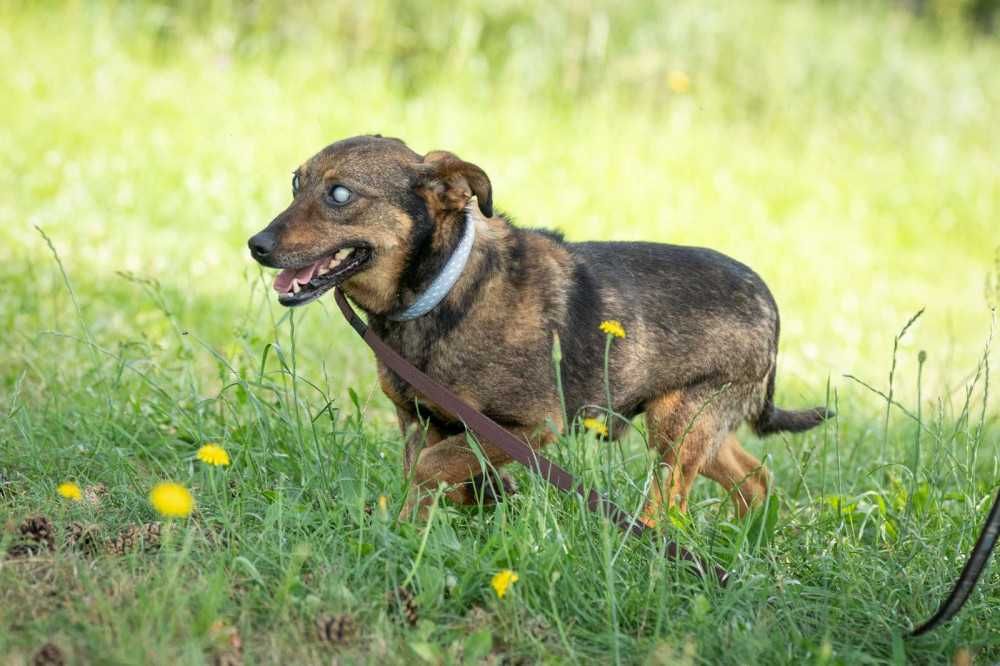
(773, 419)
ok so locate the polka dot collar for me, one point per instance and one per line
(446, 279)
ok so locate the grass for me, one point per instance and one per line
(844, 150)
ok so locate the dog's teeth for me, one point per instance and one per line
(295, 287)
(343, 253)
(333, 264)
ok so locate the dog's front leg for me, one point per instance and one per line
(417, 436)
(453, 463)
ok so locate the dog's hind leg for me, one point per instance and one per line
(686, 430)
(740, 473)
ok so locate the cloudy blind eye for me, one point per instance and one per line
(340, 194)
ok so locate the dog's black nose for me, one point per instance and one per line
(262, 244)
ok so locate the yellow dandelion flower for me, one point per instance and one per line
(596, 425)
(503, 580)
(213, 454)
(70, 491)
(383, 503)
(171, 500)
(679, 82)
(613, 327)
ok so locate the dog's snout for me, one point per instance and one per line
(262, 244)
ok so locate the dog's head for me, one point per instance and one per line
(362, 210)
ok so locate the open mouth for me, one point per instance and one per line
(298, 286)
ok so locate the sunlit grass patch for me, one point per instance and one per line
(845, 152)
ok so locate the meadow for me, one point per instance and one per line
(849, 152)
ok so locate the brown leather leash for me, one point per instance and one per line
(491, 431)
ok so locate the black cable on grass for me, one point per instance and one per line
(973, 569)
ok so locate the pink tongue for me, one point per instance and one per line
(283, 281)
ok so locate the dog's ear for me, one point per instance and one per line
(447, 183)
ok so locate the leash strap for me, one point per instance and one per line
(496, 434)
(973, 568)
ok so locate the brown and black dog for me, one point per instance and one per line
(380, 221)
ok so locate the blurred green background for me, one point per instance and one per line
(847, 151)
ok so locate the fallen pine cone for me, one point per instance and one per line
(19, 550)
(402, 604)
(146, 536)
(336, 629)
(36, 534)
(85, 537)
(39, 530)
(151, 534)
(93, 495)
(48, 655)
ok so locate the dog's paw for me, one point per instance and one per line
(491, 487)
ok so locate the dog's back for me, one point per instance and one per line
(691, 316)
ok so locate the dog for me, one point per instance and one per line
(392, 229)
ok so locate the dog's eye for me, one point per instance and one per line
(295, 184)
(340, 194)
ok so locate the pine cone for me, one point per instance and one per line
(402, 604)
(336, 629)
(151, 534)
(18, 550)
(146, 536)
(85, 537)
(93, 495)
(39, 534)
(48, 655)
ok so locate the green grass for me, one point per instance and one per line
(844, 150)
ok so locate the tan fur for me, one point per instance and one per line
(690, 430)
(377, 290)
(740, 473)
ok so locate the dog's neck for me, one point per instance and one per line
(445, 280)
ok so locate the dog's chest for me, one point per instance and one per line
(407, 399)
(478, 365)
(417, 347)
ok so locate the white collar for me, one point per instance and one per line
(446, 279)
